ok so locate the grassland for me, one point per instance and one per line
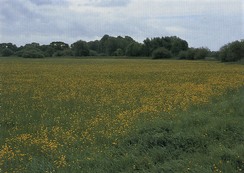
(72, 115)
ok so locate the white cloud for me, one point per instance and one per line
(201, 23)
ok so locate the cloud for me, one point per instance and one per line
(201, 23)
(48, 2)
(41, 2)
(108, 3)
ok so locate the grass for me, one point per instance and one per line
(106, 115)
(203, 139)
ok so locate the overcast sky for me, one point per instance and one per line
(208, 23)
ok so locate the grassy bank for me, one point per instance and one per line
(203, 139)
(90, 115)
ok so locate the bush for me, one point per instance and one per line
(182, 55)
(134, 49)
(232, 52)
(194, 53)
(201, 53)
(191, 54)
(32, 53)
(188, 54)
(118, 52)
(66, 52)
(7, 52)
(80, 48)
(161, 53)
(58, 53)
(93, 53)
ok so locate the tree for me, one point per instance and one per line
(7, 52)
(59, 45)
(233, 51)
(173, 44)
(94, 45)
(32, 53)
(32, 45)
(32, 50)
(58, 48)
(80, 48)
(147, 47)
(134, 49)
(7, 49)
(187, 54)
(161, 53)
(11, 46)
(110, 45)
(194, 53)
(47, 50)
(178, 45)
(183, 54)
(118, 52)
(201, 53)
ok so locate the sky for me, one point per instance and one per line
(202, 23)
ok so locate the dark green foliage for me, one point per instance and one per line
(214, 54)
(11, 46)
(80, 48)
(66, 52)
(7, 52)
(190, 54)
(194, 53)
(183, 55)
(134, 49)
(32, 45)
(58, 45)
(120, 46)
(173, 44)
(109, 45)
(161, 53)
(118, 52)
(178, 45)
(232, 52)
(94, 45)
(201, 53)
(93, 53)
(32, 53)
(47, 50)
(7, 49)
(32, 50)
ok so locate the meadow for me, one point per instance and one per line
(117, 115)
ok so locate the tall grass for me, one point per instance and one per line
(72, 115)
(208, 138)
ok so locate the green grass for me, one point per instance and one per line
(203, 139)
(90, 115)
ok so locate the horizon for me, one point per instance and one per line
(201, 23)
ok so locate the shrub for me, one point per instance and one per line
(32, 53)
(93, 53)
(161, 53)
(134, 49)
(7, 52)
(190, 54)
(118, 52)
(80, 48)
(232, 52)
(194, 53)
(66, 52)
(182, 55)
(201, 53)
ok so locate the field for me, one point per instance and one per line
(98, 115)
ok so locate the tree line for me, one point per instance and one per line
(156, 48)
